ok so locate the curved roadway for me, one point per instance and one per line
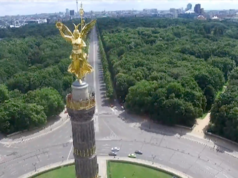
(168, 146)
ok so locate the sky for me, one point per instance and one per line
(25, 7)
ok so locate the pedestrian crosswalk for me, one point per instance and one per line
(96, 126)
(112, 136)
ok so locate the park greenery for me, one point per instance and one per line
(33, 75)
(174, 69)
(116, 169)
(170, 69)
(224, 113)
(59, 172)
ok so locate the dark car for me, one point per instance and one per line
(112, 154)
(138, 152)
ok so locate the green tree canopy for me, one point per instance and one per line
(48, 98)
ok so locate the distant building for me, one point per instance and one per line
(197, 8)
(42, 21)
(201, 17)
(202, 11)
(31, 21)
(189, 7)
(215, 18)
(14, 26)
(174, 12)
(67, 12)
(150, 11)
(190, 14)
(165, 15)
(71, 12)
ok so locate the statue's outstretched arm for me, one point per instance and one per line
(62, 27)
(66, 37)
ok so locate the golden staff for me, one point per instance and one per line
(81, 15)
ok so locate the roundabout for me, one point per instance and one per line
(172, 148)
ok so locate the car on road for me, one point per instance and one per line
(112, 154)
(132, 155)
(115, 149)
(138, 152)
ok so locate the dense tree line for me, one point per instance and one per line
(33, 75)
(106, 72)
(170, 69)
(224, 112)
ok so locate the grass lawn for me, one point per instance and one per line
(64, 172)
(222, 91)
(128, 170)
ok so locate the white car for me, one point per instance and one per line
(115, 149)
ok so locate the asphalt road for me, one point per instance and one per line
(167, 146)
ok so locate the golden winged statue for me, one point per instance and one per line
(79, 65)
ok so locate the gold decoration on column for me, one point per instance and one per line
(80, 105)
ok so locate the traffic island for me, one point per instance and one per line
(110, 168)
(127, 169)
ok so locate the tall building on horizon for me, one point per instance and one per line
(197, 8)
(67, 12)
(189, 7)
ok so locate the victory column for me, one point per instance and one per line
(81, 104)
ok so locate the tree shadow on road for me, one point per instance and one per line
(147, 125)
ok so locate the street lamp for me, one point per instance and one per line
(153, 157)
(34, 164)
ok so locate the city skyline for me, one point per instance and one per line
(14, 7)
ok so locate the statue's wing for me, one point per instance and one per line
(87, 28)
(67, 31)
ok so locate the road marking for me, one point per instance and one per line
(94, 74)
(108, 138)
(71, 140)
(69, 152)
(96, 126)
(112, 133)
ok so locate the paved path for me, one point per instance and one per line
(201, 125)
